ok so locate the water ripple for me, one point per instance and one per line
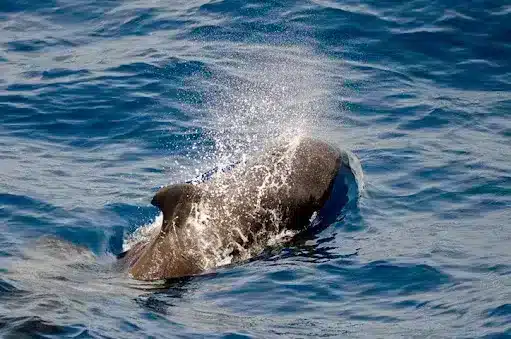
(102, 102)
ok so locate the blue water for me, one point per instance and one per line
(104, 101)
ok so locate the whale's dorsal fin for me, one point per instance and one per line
(175, 202)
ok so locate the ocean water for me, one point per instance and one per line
(104, 101)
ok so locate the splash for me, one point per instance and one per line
(143, 233)
(268, 93)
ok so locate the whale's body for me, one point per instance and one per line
(235, 214)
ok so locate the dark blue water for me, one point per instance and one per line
(104, 101)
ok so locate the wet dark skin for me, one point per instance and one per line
(308, 175)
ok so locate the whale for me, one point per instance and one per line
(289, 188)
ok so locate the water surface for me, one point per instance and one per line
(104, 101)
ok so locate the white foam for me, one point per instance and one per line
(143, 233)
(356, 168)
